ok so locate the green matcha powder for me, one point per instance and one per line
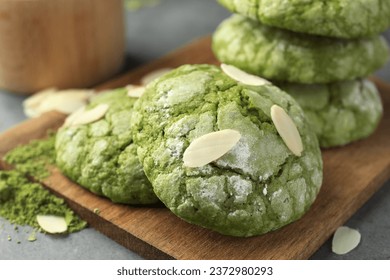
(22, 200)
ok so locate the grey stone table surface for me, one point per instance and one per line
(150, 33)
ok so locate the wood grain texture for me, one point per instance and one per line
(352, 174)
(62, 43)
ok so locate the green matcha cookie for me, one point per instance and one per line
(287, 56)
(258, 185)
(334, 18)
(101, 156)
(339, 113)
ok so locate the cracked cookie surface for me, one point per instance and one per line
(333, 18)
(101, 156)
(339, 113)
(283, 55)
(258, 186)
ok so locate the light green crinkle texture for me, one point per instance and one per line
(333, 18)
(101, 156)
(256, 187)
(339, 113)
(287, 56)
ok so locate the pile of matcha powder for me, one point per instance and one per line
(21, 200)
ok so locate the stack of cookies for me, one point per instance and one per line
(320, 53)
(220, 148)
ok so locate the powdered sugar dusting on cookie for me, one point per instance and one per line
(241, 188)
(241, 153)
(176, 147)
(182, 89)
(265, 190)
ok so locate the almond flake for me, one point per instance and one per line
(135, 91)
(32, 103)
(90, 116)
(287, 130)
(37, 98)
(70, 106)
(345, 239)
(72, 117)
(52, 224)
(64, 101)
(150, 77)
(210, 147)
(60, 104)
(77, 94)
(243, 77)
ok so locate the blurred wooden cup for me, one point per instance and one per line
(60, 43)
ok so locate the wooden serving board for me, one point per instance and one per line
(352, 174)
